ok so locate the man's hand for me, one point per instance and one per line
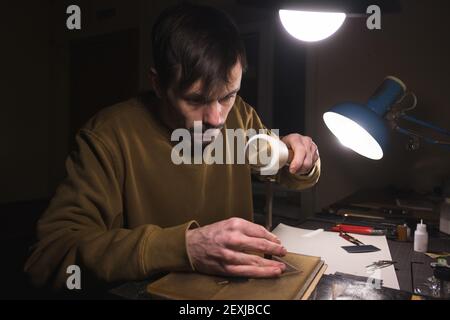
(223, 248)
(305, 151)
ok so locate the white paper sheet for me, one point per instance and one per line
(327, 245)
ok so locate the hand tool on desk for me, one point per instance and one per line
(380, 264)
(351, 239)
(347, 228)
(359, 246)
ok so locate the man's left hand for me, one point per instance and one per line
(305, 151)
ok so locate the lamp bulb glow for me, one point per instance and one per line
(311, 26)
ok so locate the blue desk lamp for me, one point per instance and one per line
(365, 128)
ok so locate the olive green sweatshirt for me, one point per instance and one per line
(124, 207)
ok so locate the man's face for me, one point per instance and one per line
(211, 110)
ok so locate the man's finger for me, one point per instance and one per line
(257, 231)
(308, 162)
(253, 271)
(315, 153)
(258, 245)
(232, 257)
(316, 157)
(299, 157)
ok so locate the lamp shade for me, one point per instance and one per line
(363, 128)
(358, 128)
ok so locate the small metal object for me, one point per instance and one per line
(381, 264)
(289, 267)
(351, 239)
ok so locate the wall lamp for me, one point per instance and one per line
(365, 128)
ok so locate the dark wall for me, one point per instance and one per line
(25, 92)
(289, 83)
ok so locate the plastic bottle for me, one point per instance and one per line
(408, 231)
(421, 238)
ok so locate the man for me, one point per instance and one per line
(125, 211)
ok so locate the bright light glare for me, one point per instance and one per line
(311, 26)
(353, 136)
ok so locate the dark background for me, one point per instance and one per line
(54, 79)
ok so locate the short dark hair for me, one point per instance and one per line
(193, 42)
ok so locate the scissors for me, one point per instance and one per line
(381, 264)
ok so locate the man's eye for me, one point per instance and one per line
(196, 103)
(227, 98)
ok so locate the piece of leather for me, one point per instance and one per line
(360, 249)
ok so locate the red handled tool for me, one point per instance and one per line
(358, 229)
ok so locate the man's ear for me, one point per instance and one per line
(154, 82)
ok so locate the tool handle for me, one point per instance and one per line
(356, 229)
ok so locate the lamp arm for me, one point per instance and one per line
(425, 124)
(410, 133)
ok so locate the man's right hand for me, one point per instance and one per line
(222, 249)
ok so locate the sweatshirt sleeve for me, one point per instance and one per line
(284, 177)
(83, 226)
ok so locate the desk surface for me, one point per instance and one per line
(402, 252)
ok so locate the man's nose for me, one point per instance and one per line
(213, 114)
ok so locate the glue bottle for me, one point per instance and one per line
(421, 238)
